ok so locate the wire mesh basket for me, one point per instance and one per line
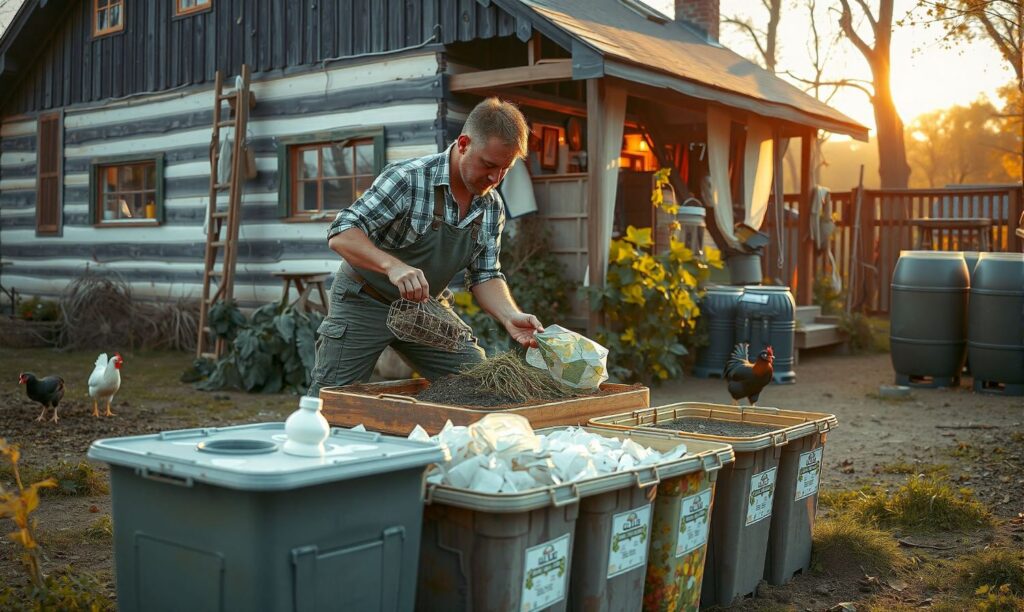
(430, 323)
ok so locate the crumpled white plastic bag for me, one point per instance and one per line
(501, 454)
(570, 358)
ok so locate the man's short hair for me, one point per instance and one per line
(494, 118)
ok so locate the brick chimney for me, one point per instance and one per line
(702, 15)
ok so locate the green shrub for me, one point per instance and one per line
(38, 309)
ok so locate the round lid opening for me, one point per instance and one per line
(237, 446)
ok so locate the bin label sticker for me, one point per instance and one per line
(694, 512)
(762, 490)
(756, 298)
(546, 569)
(631, 534)
(808, 473)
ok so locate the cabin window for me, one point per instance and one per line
(187, 7)
(325, 175)
(107, 16)
(126, 192)
(48, 175)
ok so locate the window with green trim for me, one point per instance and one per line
(325, 173)
(126, 191)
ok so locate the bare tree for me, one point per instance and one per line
(765, 40)
(892, 155)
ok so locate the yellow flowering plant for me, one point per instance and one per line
(650, 301)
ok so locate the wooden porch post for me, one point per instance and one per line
(805, 248)
(596, 254)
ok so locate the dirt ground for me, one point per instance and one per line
(977, 437)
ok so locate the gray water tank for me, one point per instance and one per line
(928, 319)
(995, 327)
(766, 315)
(718, 308)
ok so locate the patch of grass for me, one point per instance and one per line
(923, 504)
(844, 542)
(993, 568)
(902, 467)
(65, 591)
(72, 479)
(101, 529)
(843, 499)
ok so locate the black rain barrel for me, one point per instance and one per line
(928, 320)
(995, 324)
(719, 311)
(765, 316)
(971, 257)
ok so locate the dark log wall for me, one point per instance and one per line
(158, 51)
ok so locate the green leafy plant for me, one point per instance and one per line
(273, 351)
(226, 319)
(38, 309)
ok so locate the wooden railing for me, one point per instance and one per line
(887, 226)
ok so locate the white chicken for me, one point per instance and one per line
(104, 381)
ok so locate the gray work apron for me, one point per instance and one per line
(355, 332)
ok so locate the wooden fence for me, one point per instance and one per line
(890, 222)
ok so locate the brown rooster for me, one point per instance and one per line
(746, 379)
(47, 391)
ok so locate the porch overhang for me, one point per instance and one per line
(645, 76)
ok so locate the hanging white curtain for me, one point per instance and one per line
(614, 105)
(758, 161)
(718, 193)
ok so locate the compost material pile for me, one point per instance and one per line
(502, 380)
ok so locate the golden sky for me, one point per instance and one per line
(926, 75)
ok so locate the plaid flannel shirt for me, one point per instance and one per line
(399, 207)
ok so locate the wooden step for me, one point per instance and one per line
(807, 314)
(814, 335)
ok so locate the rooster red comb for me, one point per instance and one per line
(769, 351)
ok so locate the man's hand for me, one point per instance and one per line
(522, 327)
(410, 281)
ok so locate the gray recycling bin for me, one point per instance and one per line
(223, 519)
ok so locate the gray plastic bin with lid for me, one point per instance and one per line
(223, 519)
(534, 550)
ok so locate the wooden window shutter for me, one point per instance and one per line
(50, 153)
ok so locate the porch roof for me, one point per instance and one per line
(667, 54)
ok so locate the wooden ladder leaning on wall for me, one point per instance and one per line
(222, 225)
